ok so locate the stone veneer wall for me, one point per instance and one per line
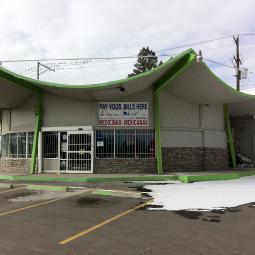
(125, 166)
(194, 159)
(174, 159)
(17, 166)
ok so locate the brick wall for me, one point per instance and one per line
(174, 159)
(194, 159)
(118, 166)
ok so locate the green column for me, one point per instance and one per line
(38, 119)
(229, 136)
(157, 131)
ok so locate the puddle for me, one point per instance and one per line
(252, 205)
(83, 201)
(212, 220)
(142, 189)
(153, 206)
(219, 211)
(193, 215)
(233, 210)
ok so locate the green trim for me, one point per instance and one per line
(157, 132)
(18, 79)
(152, 178)
(7, 177)
(41, 178)
(180, 64)
(229, 136)
(28, 82)
(211, 177)
(38, 120)
(226, 86)
(247, 173)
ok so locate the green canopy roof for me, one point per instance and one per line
(188, 80)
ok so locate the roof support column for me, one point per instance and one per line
(229, 136)
(38, 120)
(157, 131)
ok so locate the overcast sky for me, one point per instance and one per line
(33, 29)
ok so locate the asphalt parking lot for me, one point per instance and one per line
(37, 222)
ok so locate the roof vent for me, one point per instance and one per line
(199, 56)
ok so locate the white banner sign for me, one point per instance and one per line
(123, 114)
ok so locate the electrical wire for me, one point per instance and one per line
(123, 57)
(219, 63)
(82, 58)
(197, 43)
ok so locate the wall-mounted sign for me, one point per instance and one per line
(100, 143)
(123, 114)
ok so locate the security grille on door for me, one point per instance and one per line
(73, 150)
(79, 152)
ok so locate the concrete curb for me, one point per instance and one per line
(101, 192)
(182, 178)
(47, 187)
(214, 177)
(89, 179)
(117, 193)
(6, 185)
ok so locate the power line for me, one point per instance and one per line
(132, 56)
(219, 63)
(215, 48)
(81, 58)
(197, 43)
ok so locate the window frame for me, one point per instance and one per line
(8, 149)
(114, 139)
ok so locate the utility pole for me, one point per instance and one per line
(237, 63)
(46, 69)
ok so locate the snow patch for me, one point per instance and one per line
(203, 196)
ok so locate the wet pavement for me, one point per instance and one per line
(38, 230)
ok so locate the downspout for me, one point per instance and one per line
(38, 121)
(229, 136)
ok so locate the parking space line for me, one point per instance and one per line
(83, 233)
(10, 190)
(39, 204)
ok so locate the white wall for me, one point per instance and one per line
(61, 111)
(184, 124)
(23, 117)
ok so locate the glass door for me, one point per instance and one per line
(76, 152)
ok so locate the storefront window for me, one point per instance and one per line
(17, 145)
(125, 143)
(5, 145)
(145, 143)
(105, 143)
(22, 145)
(30, 138)
(121, 143)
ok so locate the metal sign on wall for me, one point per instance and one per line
(123, 114)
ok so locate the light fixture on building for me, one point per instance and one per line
(199, 56)
(122, 89)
